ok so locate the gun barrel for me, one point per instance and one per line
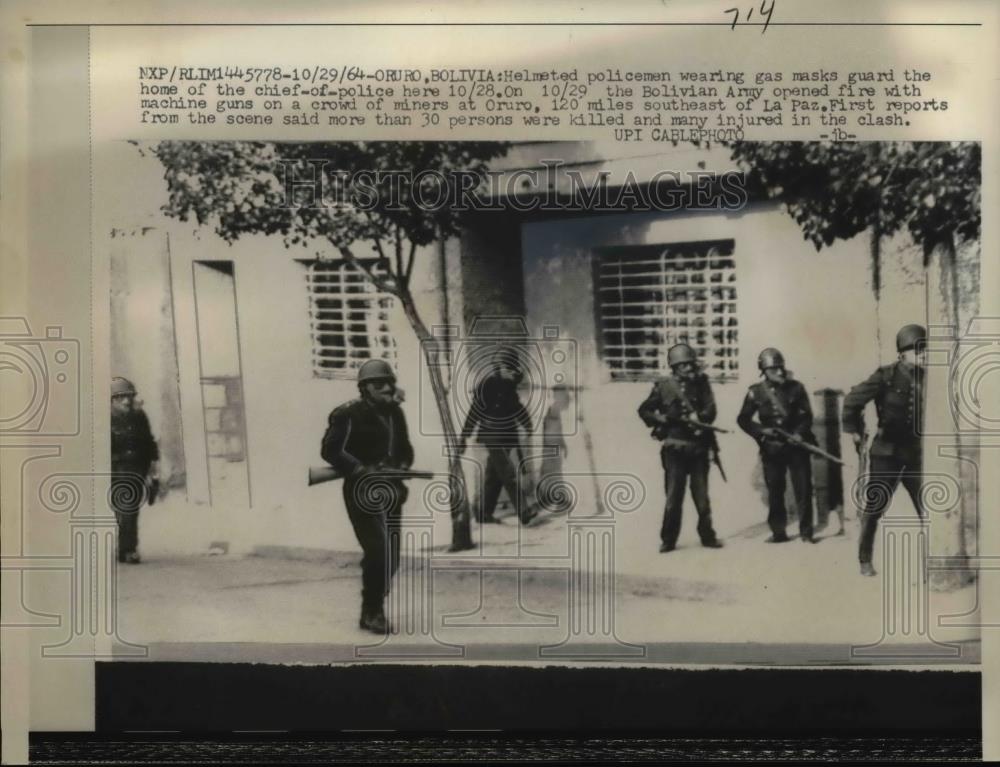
(320, 474)
(709, 427)
(811, 448)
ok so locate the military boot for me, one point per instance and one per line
(373, 620)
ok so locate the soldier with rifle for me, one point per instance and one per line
(896, 454)
(680, 410)
(783, 430)
(367, 443)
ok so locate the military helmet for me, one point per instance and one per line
(770, 358)
(121, 385)
(371, 370)
(679, 353)
(909, 336)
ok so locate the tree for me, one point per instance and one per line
(393, 196)
(929, 189)
(839, 190)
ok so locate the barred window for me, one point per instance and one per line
(349, 318)
(649, 297)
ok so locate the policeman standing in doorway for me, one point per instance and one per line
(898, 393)
(784, 415)
(673, 409)
(135, 462)
(500, 416)
(364, 436)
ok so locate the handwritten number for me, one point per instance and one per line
(766, 10)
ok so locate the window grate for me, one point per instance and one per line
(650, 297)
(349, 318)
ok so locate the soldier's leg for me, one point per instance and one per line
(883, 478)
(913, 480)
(675, 473)
(800, 468)
(393, 520)
(492, 483)
(509, 477)
(126, 497)
(775, 467)
(370, 529)
(699, 494)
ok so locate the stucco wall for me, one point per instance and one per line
(286, 406)
(818, 308)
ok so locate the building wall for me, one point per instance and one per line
(142, 337)
(286, 406)
(818, 308)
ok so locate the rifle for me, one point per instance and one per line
(716, 457)
(320, 474)
(698, 425)
(789, 438)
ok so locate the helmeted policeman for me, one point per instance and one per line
(364, 436)
(898, 392)
(135, 460)
(500, 416)
(781, 404)
(669, 409)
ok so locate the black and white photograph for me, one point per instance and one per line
(386, 382)
(557, 402)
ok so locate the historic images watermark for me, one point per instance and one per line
(315, 183)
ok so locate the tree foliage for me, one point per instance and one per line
(371, 191)
(838, 190)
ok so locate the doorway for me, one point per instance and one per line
(221, 375)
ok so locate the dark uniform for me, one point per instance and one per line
(782, 406)
(133, 450)
(895, 454)
(497, 410)
(685, 451)
(362, 435)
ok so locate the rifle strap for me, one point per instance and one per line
(775, 401)
(677, 392)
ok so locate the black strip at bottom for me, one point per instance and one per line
(50, 748)
(220, 697)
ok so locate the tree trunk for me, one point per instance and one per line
(461, 531)
(948, 456)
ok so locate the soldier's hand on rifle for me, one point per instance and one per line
(362, 470)
(796, 438)
(769, 433)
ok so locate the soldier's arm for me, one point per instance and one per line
(334, 444)
(151, 447)
(649, 410)
(404, 448)
(804, 413)
(855, 401)
(708, 411)
(745, 419)
(472, 418)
